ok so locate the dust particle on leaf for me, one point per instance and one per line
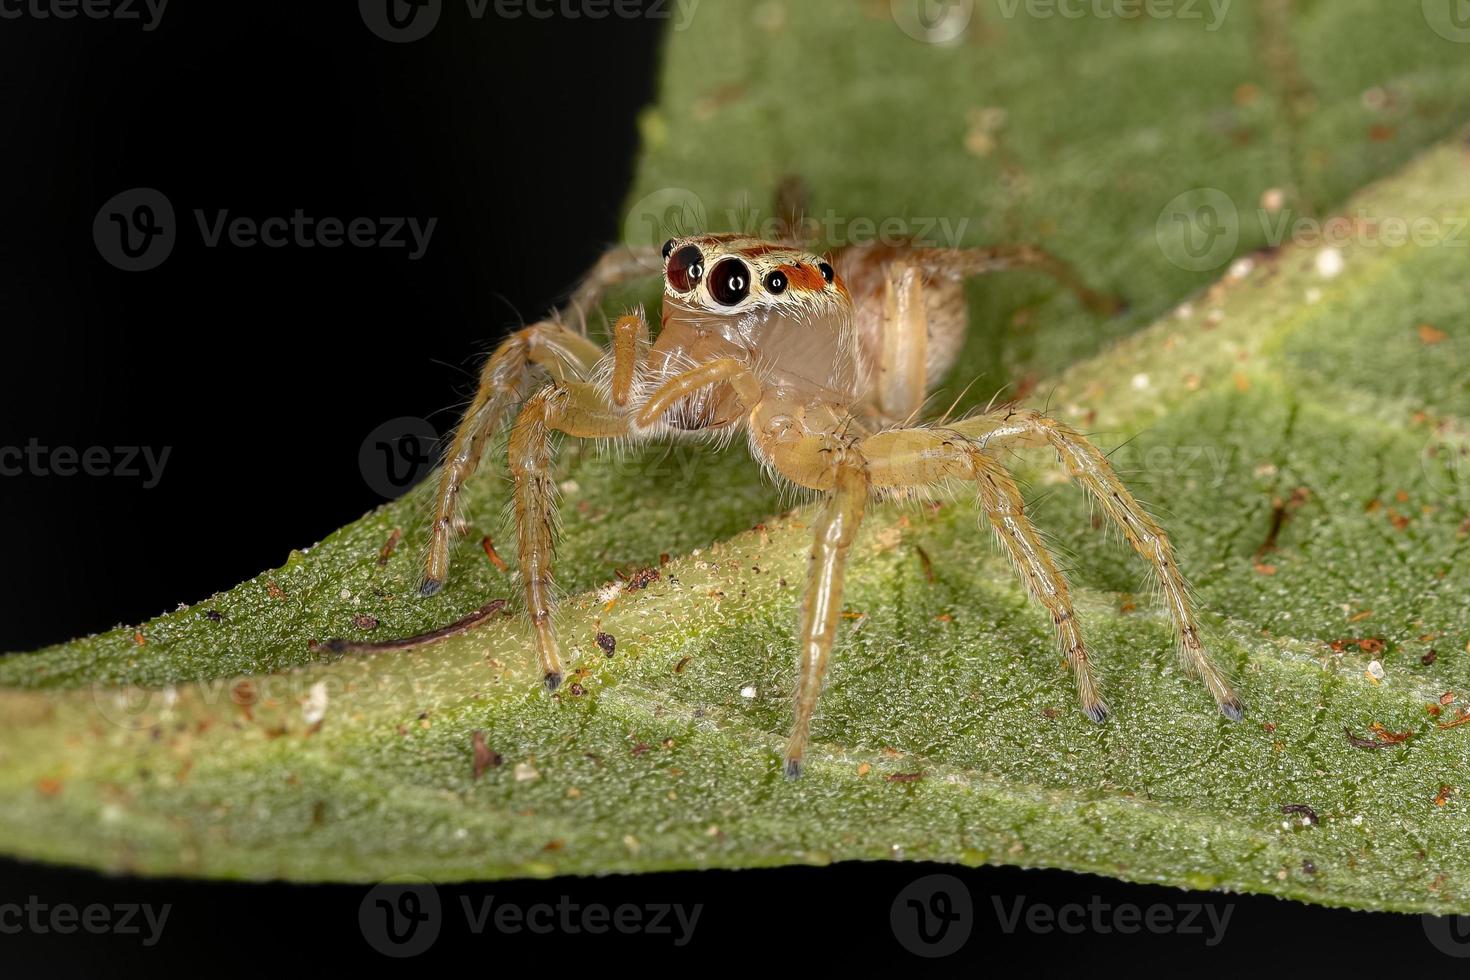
(608, 643)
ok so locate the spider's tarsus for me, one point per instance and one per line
(552, 680)
(429, 586)
(1097, 712)
(793, 768)
(1232, 709)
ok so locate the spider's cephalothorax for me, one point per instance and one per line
(825, 376)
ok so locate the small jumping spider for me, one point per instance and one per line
(824, 362)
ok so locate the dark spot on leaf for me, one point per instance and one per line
(1300, 810)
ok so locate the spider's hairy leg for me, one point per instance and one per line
(1091, 468)
(960, 262)
(821, 606)
(619, 264)
(906, 458)
(577, 409)
(562, 353)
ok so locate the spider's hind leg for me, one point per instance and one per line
(1091, 468)
(922, 457)
(962, 262)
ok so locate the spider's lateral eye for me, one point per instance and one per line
(827, 272)
(685, 269)
(776, 283)
(729, 282)
(668, 247)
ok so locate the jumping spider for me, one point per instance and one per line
(824, 370)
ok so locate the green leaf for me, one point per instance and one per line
(1321, 392)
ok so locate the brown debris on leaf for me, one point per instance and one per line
(488, 544)
(485, 757)
(390, 546)
(639, 579)
(1384, 739)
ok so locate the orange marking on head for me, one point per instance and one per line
(756, 251)
(805, 277)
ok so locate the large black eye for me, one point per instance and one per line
(776, 282)
(686, 268)
(729, 282)
(668, 247)
(827, 272)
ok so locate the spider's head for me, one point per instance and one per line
(729, 275)
(778, 305)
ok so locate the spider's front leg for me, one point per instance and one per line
(563, 354)
(578, 409)
(821, 606)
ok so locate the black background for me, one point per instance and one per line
(263, 369)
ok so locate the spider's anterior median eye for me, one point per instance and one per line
(827, 272)
(686, 268)
(730, 282)
(776, 283)
(668, 247)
